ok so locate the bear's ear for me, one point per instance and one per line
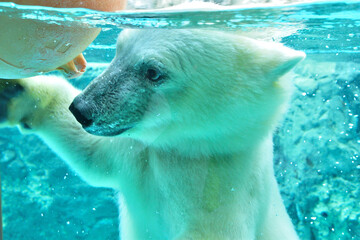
(278, 59)
(274, 59)
(122, 38)
(286, 61)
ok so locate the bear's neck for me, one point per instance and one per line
(177, 182)
(210, 147)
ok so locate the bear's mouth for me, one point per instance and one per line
(84, 115)
(106, 132)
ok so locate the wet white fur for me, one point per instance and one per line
(199, 165)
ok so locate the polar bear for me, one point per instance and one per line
(181, 124)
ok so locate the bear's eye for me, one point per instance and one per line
(153, 74)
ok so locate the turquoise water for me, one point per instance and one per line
(316, 148)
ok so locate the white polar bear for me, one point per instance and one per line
(185, 121)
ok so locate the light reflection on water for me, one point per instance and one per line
(315, 18)
(329, 30)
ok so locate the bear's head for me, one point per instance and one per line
(179, 85)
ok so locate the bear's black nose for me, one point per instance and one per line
(81, 112)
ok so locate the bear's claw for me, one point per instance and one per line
(8, 90)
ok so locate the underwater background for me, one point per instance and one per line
(316, 146)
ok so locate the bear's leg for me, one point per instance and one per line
(40, 105)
